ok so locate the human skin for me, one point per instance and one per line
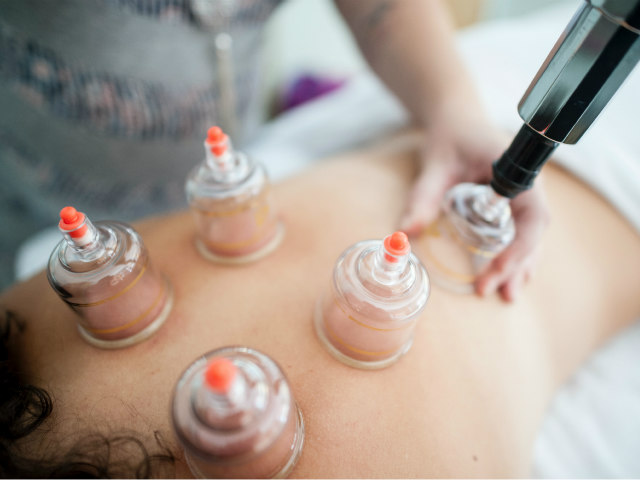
(465, 401)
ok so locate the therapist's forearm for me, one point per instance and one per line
(410, 45)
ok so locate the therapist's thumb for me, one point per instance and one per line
(425, 198)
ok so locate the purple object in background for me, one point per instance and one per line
(307, 87)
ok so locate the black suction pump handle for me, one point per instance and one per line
(517, 168)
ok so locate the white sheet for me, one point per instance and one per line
(593, 426)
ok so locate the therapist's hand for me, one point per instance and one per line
(461, 148)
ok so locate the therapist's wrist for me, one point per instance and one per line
(451, 107)
(455, 117)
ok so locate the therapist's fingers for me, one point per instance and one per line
(509, 271)
(510, 290)
(423, 206)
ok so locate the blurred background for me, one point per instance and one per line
(325, 50)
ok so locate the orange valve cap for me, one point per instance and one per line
(217, 140)
(396, 245)
(215, 135)
(220, 374)
(72, 221)
(218, 150)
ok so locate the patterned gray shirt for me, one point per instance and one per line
(104, 103)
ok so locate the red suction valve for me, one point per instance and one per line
(215, 135)
(218, 150)
(217, 140)
(72, 221)
(396, 244)
(220, 374)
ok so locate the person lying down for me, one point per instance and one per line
(465, 401)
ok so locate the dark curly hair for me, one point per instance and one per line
(25, 407)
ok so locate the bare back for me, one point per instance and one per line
(465, 401)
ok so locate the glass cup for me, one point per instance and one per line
(367, 316)
(475, 225)
(235, 416)
(104, 273)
